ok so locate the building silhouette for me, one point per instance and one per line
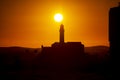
(114, 30)
(63, 54)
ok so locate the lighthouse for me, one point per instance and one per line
(61, 34)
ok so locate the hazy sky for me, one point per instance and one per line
(30, 23)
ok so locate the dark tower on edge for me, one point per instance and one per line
(114, 30)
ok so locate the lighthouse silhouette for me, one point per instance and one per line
(61, 33)
(63, 54)
(65, 46)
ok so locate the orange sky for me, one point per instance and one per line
(30, 23)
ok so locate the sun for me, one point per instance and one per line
(58, 17)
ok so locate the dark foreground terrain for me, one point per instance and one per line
(17, 63)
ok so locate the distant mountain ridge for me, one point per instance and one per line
(18, 50)
(90, 50)
(97, 49)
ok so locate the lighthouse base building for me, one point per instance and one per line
(63, 54)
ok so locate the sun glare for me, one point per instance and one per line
(58, 17)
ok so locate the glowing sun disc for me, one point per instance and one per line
(58, 17)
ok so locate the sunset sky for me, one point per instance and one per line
(30, 23)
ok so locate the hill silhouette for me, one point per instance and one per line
(97, 49)
(89, 50)
(100, 51)
(18, 63)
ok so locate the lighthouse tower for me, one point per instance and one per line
(61, 33)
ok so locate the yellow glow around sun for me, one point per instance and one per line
(58, 17)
